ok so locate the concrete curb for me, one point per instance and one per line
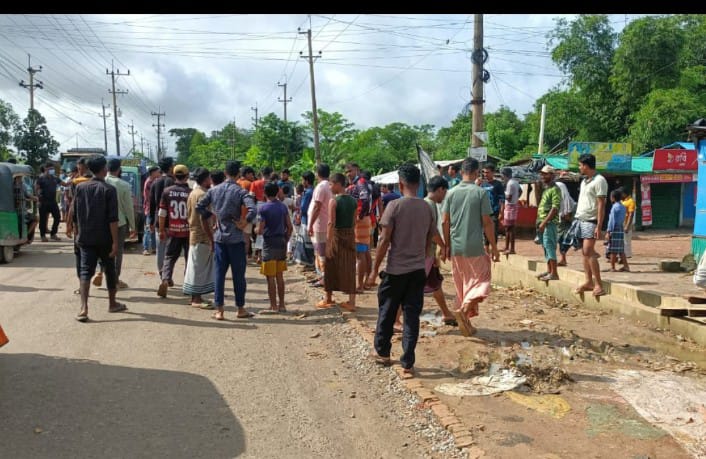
(623, 299)
(463, 437)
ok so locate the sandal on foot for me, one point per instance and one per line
(581, 289)
(269, 311)
(540, 275)
(82, 318)
(323, 304)
(347, 306)
(624, 269)
(598, 293)
(120, 308)
(408, 373)
(247, 315)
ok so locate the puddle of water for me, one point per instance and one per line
(431, 318)
(697, 356)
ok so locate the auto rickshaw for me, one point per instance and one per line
(14, 208)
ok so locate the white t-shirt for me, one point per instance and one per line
(512, 191)
(591, 189)
(567, 202)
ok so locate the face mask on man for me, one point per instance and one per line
(52, 172)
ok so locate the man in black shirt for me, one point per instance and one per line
(45, 188)
(95, 218)
(496, 194)
(166, 165)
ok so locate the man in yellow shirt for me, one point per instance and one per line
(628, 226)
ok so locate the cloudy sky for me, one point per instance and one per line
(203, 71)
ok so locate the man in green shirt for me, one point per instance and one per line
(547, 221)
(467, 215)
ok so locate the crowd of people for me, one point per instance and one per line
(219, 220)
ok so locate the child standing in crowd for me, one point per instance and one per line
(276, 228)
(614, 233)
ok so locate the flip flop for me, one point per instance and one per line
(582, 289)
(463, 323)
(408, 373)
(247, 315)
(624, 270)
(324, 305)
(347, 306)
(121, 307)
(269, 311)
(204, 305)
(599, 293)
(82, 318)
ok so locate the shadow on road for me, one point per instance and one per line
(57, 407)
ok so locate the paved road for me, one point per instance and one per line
(165, 380)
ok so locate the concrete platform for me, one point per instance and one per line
(626, 299)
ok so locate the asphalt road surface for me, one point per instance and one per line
(166, 380)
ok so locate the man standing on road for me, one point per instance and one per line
(198, 279)
(174, 225)
(590, 212)
(496, 191)
(318, 219)
(149, 240)
(362, 191)
(166, 165)
(126, 218)
(510, 209)
(548, 220)
(225, 201)
(407, 231)
(629, 204)
(95, 217)
(467, 216)
(45, 189)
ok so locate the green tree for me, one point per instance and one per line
(335, 133)
(382, 149)
(238, 140)
(211, 155)
(663, 117)
(33, 140)
(280, 142)
(183, 143)
(506, 134)
(9, 122)
(583, 49)
(646, 59)
(452, 141)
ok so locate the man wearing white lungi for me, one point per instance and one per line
(199, 277)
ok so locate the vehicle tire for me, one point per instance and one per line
(8, 253)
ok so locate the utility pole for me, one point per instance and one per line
(132, 132)
(159, 127)
(142, 145)
(32, 84)
(311, 58)
(478, 58)
(255, 110)
(285, 101)
(105, 126)
(113, 74)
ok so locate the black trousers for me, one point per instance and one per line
(405, 290)
(45, 208)
(175, 247)
(89, 260)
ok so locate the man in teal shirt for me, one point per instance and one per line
(126, 218)
(467, 215)
(548, 220)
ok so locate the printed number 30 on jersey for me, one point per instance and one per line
(177, 210)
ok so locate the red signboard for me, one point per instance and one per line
(646, 206)
(668, 178)
(674, 160)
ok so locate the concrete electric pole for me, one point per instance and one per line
(32, 84)
(314, 112)
(113, 74)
